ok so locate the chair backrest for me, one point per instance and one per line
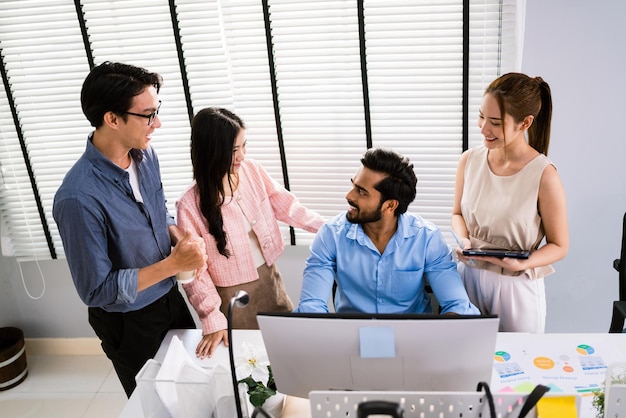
(620, 264)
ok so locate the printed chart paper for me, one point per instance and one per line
(565, 363)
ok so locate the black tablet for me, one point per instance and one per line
(498, 253)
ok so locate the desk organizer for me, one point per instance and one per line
(196, 396)
(615, 401)
(615, 390)
(344, 404)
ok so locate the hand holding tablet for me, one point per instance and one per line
(458, 240)
(523, 254)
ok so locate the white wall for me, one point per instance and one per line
(60, 313)
(57, 313)
(576, 45)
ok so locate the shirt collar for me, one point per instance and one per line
(405, 230)
(105, 165)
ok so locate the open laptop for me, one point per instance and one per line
(378, 351)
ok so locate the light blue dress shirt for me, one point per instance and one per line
(391, 282)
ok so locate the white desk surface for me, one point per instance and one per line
(505, 341)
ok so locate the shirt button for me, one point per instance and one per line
(253, 222)
(238, 198)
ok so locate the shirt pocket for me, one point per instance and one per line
(406, 285)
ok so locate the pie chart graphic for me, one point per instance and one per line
(502, 356)
(585, 350)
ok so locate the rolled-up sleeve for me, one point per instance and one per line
(82, 227)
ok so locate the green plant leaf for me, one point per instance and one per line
(270, 381)
(250, 382)
(259, 392)
(260, 395)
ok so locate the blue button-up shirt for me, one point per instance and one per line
(108, 235)
(391, 282)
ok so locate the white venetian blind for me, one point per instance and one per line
(415, 74)
(44, 60)
(414, 53)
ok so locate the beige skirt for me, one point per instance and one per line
(267, 294)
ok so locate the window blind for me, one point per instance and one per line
(413, 81)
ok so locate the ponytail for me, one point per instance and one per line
(539, 131)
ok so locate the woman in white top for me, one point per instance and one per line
(508, 195)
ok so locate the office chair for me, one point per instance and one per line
(619, 306)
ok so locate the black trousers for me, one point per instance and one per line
(129, 339)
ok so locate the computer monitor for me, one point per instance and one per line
(378, 351)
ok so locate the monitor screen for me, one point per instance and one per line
(378, 351)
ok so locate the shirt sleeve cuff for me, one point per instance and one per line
(214, 322)
(127, 286)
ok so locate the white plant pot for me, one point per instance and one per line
(273, 405)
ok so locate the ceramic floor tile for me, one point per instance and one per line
(65, 387)
(45, 405)
(112, 383)
(106, 405)
(52, 373)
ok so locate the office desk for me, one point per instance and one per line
(522, 361)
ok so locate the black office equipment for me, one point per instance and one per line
(619, 306)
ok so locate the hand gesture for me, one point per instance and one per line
(189, 253)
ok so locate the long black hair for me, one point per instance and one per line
(213, 135)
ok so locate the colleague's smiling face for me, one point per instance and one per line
(365, 202)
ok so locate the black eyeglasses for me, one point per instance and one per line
(150, 117)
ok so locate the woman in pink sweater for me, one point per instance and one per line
(234, 205)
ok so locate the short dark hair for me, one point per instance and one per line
(400, 183)
(111, 86)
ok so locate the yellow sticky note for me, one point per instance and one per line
(557, 407)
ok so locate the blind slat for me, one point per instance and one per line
(414, 77)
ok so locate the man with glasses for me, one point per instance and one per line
(117, 232)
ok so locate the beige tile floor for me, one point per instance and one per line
(72, 378)
(65, 386)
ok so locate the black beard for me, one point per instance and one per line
(367, 218)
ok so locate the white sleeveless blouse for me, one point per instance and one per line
(502, 211)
